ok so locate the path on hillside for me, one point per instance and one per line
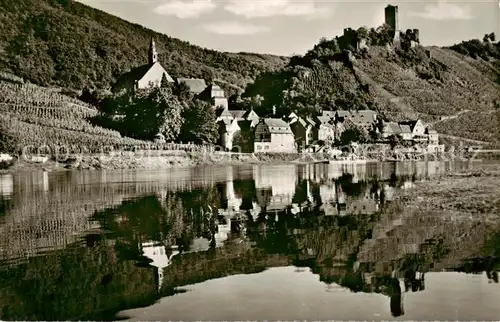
(450, 117)
(459, 138)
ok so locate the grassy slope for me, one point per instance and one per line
(68, 44)
(458, 84)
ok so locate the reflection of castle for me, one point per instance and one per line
(156, 252)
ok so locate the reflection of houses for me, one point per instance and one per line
(6, 185)
(273, 135)
(144, 76)
(233, 202)
(159, 256)
(275, 186)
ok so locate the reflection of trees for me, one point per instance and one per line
(350, 188)
(74, 283)
(330, 245)
(245, 189)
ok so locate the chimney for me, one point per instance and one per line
(274, 110)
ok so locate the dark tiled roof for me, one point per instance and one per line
(275, 122)
(405, 128)
(324, 119)
(223, 112)
(411, 124)
(328, 113)
(343, 113)
(392, 128)
(196, 85)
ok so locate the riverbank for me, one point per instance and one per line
(158, 160)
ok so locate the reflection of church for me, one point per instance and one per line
(159, 256)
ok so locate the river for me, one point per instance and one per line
(266, 242)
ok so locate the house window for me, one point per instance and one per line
(266, 147)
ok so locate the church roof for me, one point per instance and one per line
(196, 85)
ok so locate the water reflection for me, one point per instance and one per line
(95, 243)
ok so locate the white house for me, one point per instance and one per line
(274, 135)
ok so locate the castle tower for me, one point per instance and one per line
(391, 18)
(152, 55)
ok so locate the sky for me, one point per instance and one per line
(286, 27)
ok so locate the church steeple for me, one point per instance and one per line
(153, 55)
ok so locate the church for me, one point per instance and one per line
(144, 76)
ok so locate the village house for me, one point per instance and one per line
(145, 76)
(415, 132)
(274, 135)
(215, 95)
(227, 126)
(326, 129)
(230, 122)
(305, 130)
(242, 115)
(417, 129)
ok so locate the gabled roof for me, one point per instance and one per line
(275, 122)
(248, 113)
(238, 114)
(196, 85)
(136, 74)
(405, 129)
(343, 113)
(411, 124)
(392, 128)
(328, 114)
(311, 121)
(325, 120)
(365, 114)
(223, 112)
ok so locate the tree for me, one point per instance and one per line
(181, 90)
(244, 139)
(8, 141)
(394, 141)
(164, 81)
(153, 111)
(349, 136)
(199, 123)
(362, 32)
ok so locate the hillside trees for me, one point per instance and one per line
(74, 45)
